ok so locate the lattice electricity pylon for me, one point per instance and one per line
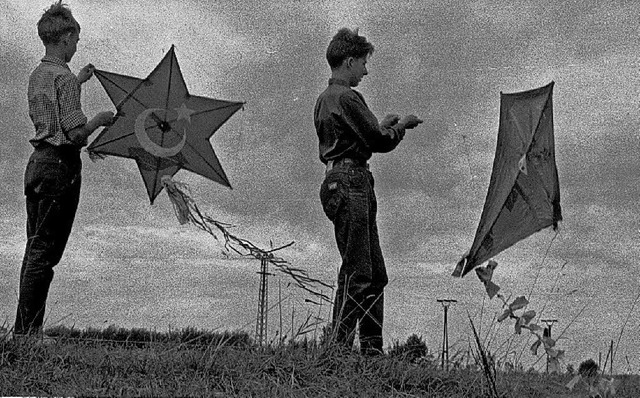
(445, 338)
(263, 302)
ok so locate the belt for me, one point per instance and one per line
(64, 152)
(331, 164)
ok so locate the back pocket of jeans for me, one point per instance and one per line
(46, 177)
(332, 198)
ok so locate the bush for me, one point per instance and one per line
(413, 349)
(588, 368)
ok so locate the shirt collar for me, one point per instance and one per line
(54, 60)
(341, 82)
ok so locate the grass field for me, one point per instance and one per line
(189, 362)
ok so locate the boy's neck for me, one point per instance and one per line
(55, 51)
(340, 74)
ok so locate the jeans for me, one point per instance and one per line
(349, 201)
(52, 188)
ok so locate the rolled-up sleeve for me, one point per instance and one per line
(70, 110)
(366, 126)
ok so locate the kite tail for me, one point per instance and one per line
(187, 211)
(179, 202)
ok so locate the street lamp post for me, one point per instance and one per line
(547, 333)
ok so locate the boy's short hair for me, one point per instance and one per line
(56, 22)
(347, 43)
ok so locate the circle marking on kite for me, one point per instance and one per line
(146, 142)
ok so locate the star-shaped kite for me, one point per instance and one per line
(162, 126)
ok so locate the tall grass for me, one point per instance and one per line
(190, 362)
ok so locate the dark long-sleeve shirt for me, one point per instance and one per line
(347, 128)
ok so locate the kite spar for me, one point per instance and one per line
(524, 192)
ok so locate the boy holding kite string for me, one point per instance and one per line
(348, 134)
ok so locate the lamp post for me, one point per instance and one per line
(445, 338)
(547, 333)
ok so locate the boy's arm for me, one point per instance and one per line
(80, 134)
(86, 73)
(69, 107)
(378, 137)
(72, 120)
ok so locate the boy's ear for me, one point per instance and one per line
(348, 62)
(65, 39)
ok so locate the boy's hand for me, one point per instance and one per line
(389, 120)
(80, 134)
(86, 73)
(410, 121)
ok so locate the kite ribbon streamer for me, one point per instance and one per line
(179, 202)
(187, 211)
(485, 274)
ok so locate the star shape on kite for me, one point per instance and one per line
(163, 127)
(184, 113)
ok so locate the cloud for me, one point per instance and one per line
(446, 62)
(601, 235)
(505, 17)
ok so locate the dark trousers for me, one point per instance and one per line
(349, 201)
(52, 189)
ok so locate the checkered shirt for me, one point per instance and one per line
(54, 102)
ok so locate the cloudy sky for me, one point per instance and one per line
(445, 61)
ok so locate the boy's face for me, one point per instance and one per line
(358, 69)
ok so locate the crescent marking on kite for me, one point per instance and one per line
(150, 146)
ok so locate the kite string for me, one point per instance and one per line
(468, 156)
(553, 287)
(615, 352)
(535, 281)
